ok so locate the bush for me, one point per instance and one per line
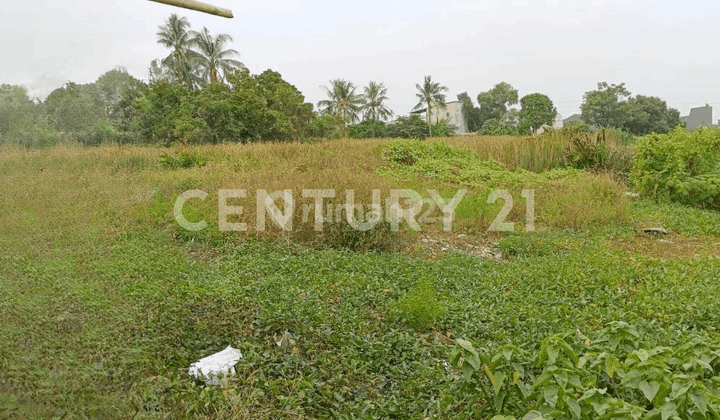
(443, 129)
(327, 126)
(576, 127)
(598, 152)
(34, 137)
(367, 130)
(420, 307)
(412, 127)
(182, 160)
(681, 166)
(495, 127)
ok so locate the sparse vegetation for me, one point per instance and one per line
(107, 300)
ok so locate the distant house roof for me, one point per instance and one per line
(420, 111)
(573, 117)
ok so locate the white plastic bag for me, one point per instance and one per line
(211, 368)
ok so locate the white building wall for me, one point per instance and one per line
(452, 113)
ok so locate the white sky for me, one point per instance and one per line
(562, 49)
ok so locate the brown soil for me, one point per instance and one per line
(670, 246)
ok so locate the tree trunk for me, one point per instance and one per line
(427, 118)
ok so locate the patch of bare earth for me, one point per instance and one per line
(670, 246)
(433, 244)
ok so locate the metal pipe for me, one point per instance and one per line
(198, 6)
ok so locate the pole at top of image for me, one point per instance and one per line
(198, 6)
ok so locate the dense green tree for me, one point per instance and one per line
(176, 35)
(648, 114)
(373, 97)
(285, 98)
(75, 109)
(601, 107)
(167, 114)
(213, 59)
(158, 72)
(407, 128)
(429, 95)
(249, 108)
(17, 111)
(536, 110)
(496, 102)
(368, 129)
(328, 126)
(470, 112)
(112, 85)
(494, 127)
(342, 101)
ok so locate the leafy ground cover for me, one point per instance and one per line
(106, 301)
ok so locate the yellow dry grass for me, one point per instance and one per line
(54, 197)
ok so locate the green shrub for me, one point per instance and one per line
(327, 126)
(681, 166)
(36, 136)
(412, 127)
(420, 307)
(341, 235)
(598, 152)
(182, 160)
(495, 127)
(443, 129)
(367, 130)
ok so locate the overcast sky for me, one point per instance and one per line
(562, 49)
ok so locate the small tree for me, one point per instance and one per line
(601, 107)
(536, 110)
(496, 102)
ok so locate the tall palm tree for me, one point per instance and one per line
(373, 99)
(429, 95)
(214, 61)
(343, 101)
(176, 35)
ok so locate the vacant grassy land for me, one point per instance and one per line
(106, 300)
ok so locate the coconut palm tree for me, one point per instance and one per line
(373, 99)
(343, 101)
(429, 95)
(177, 36)
(214, 61)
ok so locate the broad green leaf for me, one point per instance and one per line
(550, 394)
(466, 345)
(533, 415)
(467, 370)
(667, 410)
(552, 354)
(562, 379)
(474, 361)
(499, 382)
(489, 374)
(573, 406)
(612, 364)
(569, 352)
(523, 390)
(679, 389)
(700, 400)
(649, 389)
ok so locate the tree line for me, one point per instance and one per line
(201, 93)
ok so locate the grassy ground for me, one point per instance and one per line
(106, 300)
